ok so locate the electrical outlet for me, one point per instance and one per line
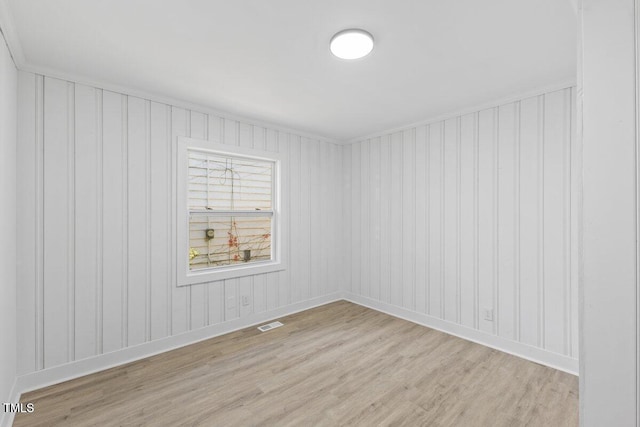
(488, 314)
(231, 303)
(246, 300)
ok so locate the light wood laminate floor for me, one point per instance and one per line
(339, 364)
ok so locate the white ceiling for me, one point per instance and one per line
(269, 59)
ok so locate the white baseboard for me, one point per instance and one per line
(69, 371)
(6, 418)
(79, 368)
(525, 351)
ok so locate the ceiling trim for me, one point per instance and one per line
(15, 49)
(468, 110)
(155, 97)
(129, 91)
(10, 34)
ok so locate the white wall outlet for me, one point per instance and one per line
(488, 314)
(231, 303)
(246, 300)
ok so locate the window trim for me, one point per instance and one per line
(185, 277)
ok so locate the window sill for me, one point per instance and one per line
(232, 272)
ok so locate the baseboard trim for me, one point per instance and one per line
(6, 418)
(525, 351)
(80, 368)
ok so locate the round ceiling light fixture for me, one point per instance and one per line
(351, 44)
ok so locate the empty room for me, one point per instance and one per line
(301, 213)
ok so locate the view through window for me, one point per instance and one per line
(230, 210)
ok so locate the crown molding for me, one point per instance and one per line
(15, 49)
(129, 91)
(493, 104)
(10, 34)
(175, 102)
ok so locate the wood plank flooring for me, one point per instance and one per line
(339, 364)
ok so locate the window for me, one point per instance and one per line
(229, 212)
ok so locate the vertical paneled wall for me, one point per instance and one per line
(451, 219)
(470, 214)
(97, 223)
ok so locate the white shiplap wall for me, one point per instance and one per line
(96, 223)
(474, 212)
(443, 220)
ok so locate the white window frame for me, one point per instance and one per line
(187, 277)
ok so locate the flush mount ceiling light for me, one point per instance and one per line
(351, 44)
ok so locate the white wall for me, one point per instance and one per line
(476, 213)
(97, 223)
(609, 356)
(8, 104)
(471, 213)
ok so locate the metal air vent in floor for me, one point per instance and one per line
(270, 326)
